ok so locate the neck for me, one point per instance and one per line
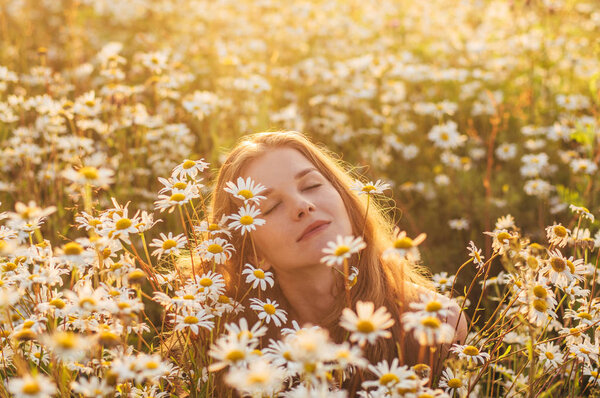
(310, 292)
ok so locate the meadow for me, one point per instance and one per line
(473, 122)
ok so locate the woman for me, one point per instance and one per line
(308, 203)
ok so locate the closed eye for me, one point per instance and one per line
(278, 203)
(311, 187)
(272, 208)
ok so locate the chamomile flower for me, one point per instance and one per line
(97, 177)
(432, 305)
(370, 188)
(501, 240)
(476, 255)
(557, 235)
(260, 378)
(366, 325)
(246, 219)
(427, 329)
(168, 244)
(406, 247)
(341, 249)
(269, 311)
(550, 355)
(217, 250)
(453, 382)
(459, 224)
(193, 321)
(390, 375)
(91, 387)
(177, 198)
(246, 190)
(470, 353)
(560, 270)
(189, 168)
(32, 386)
(242, 331)
(443, 281)
(213, 228)
(229, 349)
(582, 211)
(257, 276)
(505, 222)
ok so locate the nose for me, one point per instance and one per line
(303, 207)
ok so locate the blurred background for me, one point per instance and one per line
(472, 110)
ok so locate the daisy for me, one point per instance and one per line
(366, 325)
(471, 353)
(92, 387)
(428, 330)
(582, 211)
(247, 190)
(390, 376)
(260, 378)
(32, 386)
(342, 249)
(269, 311)
(475, 254)
(217, 250)
(370, 188)
(257, 276)
(177, 198)
(229, 350)
(551, 355)
(505, 222)
(406, 247)
(242, 331)
(189, 168)
(501, 240)
(246, 219)
(560, 270)
(432, 306)
(97, 177)
(193, 321)
(210, 283)
(557, 235)
(459, 224)
(168, 244)
(442, 281)
(213, 228)
(67, 346)
(453, 383)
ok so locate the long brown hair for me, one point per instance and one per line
(383, 280)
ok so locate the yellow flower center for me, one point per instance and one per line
(58, 303)
(558, 264)
(259, 273)
(571, 266)
(502, 236)
(90, 173)
(443, 281)
(190, 320)
(180, 185)
(257, 378)
(365, 326)
(151, 365)
(341, 250)
(215, 248)
(549, 355)
(72, 249)
(31, 388)
(235, 355)
(223, 299)
(559, 231)
(471, 351)
(10, 267)
(28, 324)
(246, 193)
(169, 244)
(269, 309)
(177, 197)
(246, 220)
(206, 282)
(403, 243)
(540, 292)
(388, 378)
(87, 301)
(65, 341)
(310, 367)
(433, 306)
(455, 383)
(123, 223)
(431, 322)
(368, 188)
(532, 262)
(188, 164)
(585, 315)
(540, 305)
(123, 305)
(213, 227)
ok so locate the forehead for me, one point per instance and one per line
(276, 166)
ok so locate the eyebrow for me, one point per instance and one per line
(298, 175)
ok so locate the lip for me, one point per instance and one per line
(313, 228)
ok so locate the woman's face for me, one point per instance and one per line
(303, 211)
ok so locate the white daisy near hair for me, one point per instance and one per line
(258, 277)
(189, 168)
(342, 248)
(366, 325)
(168, 244)
(246, 190)
(193, 320)
(406, 247)
(216, 249)
(370, 188)
(427, 329)
(269, 311)
(245, 220)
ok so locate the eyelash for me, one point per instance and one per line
(278, 203)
